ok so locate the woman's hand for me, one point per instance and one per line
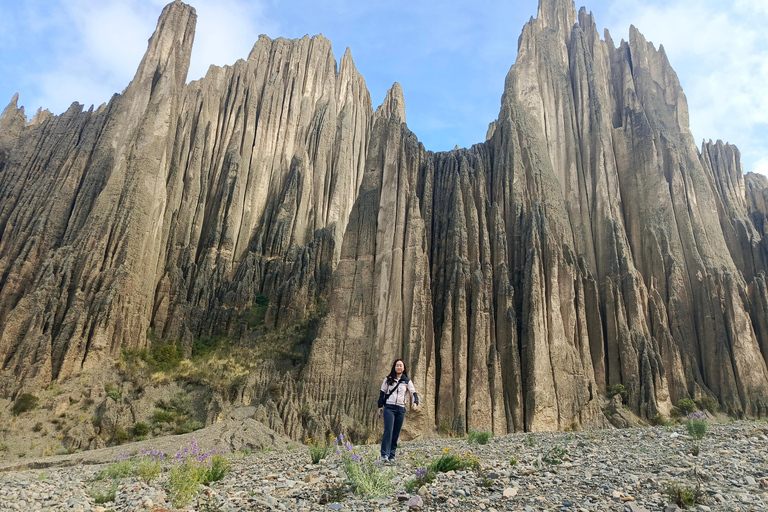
(380, 409)
(414, 407)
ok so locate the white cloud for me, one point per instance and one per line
(761, 166)
(720, 52)
(226, 31)
(98, 45)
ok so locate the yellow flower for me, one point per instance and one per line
(446, 450)
(309, 440)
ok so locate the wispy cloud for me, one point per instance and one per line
(95, 47)
(720, 52)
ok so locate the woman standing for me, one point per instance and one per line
(392, 403)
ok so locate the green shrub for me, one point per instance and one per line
(113, 391)
(140, 429)
(367, 475)
(686, 405)
(104, 493)
(121, 468)
(617, 389)
(24, 402)
(658, 420)
(479, 436)
(191, 470)
(38, 427)
(149, 467)
(219, 468)
(165, 357)
(318, 449)
(684, 496)
(555, 455)
(708, 403)
(450, 462)
(423, 476)
(118, 434)
(696, 426)
(187, 427)
(184, 482)
(204, 345)
(162, 416)
(258, 311)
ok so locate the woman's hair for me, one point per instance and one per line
(392, 377)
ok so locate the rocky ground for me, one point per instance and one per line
(621, 470)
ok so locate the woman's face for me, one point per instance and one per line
(399, 367)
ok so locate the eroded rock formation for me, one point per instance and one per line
(587, 242)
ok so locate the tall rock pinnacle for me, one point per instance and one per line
(586, 243)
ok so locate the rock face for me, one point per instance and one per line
(586, 243)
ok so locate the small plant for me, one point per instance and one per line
(113, 391)
(555, 455)
(573, 427)
(163, 416)
(121, 468)
(483, 479)
(450, 462)
(192, 469)
(423, 476)
(258, 311)
(140, 429)
(187, 427)
(683, 496)
(513, 461)
(479, 436)
(708, 403)
(686, 405)
(25, 402)
(659, 420)
(318, 451)
(617, 389)
(38, 427)
(336, 493)
(218, 467)
(149, 465)
(183, 482)
(366, 473)
(104, 493)
(118, 434)
(530, 440)
(697, 426)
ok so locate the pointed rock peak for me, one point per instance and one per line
(13, 109)
(346, 59)
(559, 15)
(264, 41)
(394, 104)
(170, 44)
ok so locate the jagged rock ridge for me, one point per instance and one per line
(587, 242)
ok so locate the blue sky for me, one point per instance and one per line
(451, 57)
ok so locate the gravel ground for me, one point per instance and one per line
(617, 470)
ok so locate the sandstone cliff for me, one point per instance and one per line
(587, 242)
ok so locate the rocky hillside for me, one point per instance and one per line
(586, 243)
(631, 470)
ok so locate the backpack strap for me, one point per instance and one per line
(386, 397)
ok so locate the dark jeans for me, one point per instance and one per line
(393, 422)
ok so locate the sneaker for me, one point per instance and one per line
(384, 459)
